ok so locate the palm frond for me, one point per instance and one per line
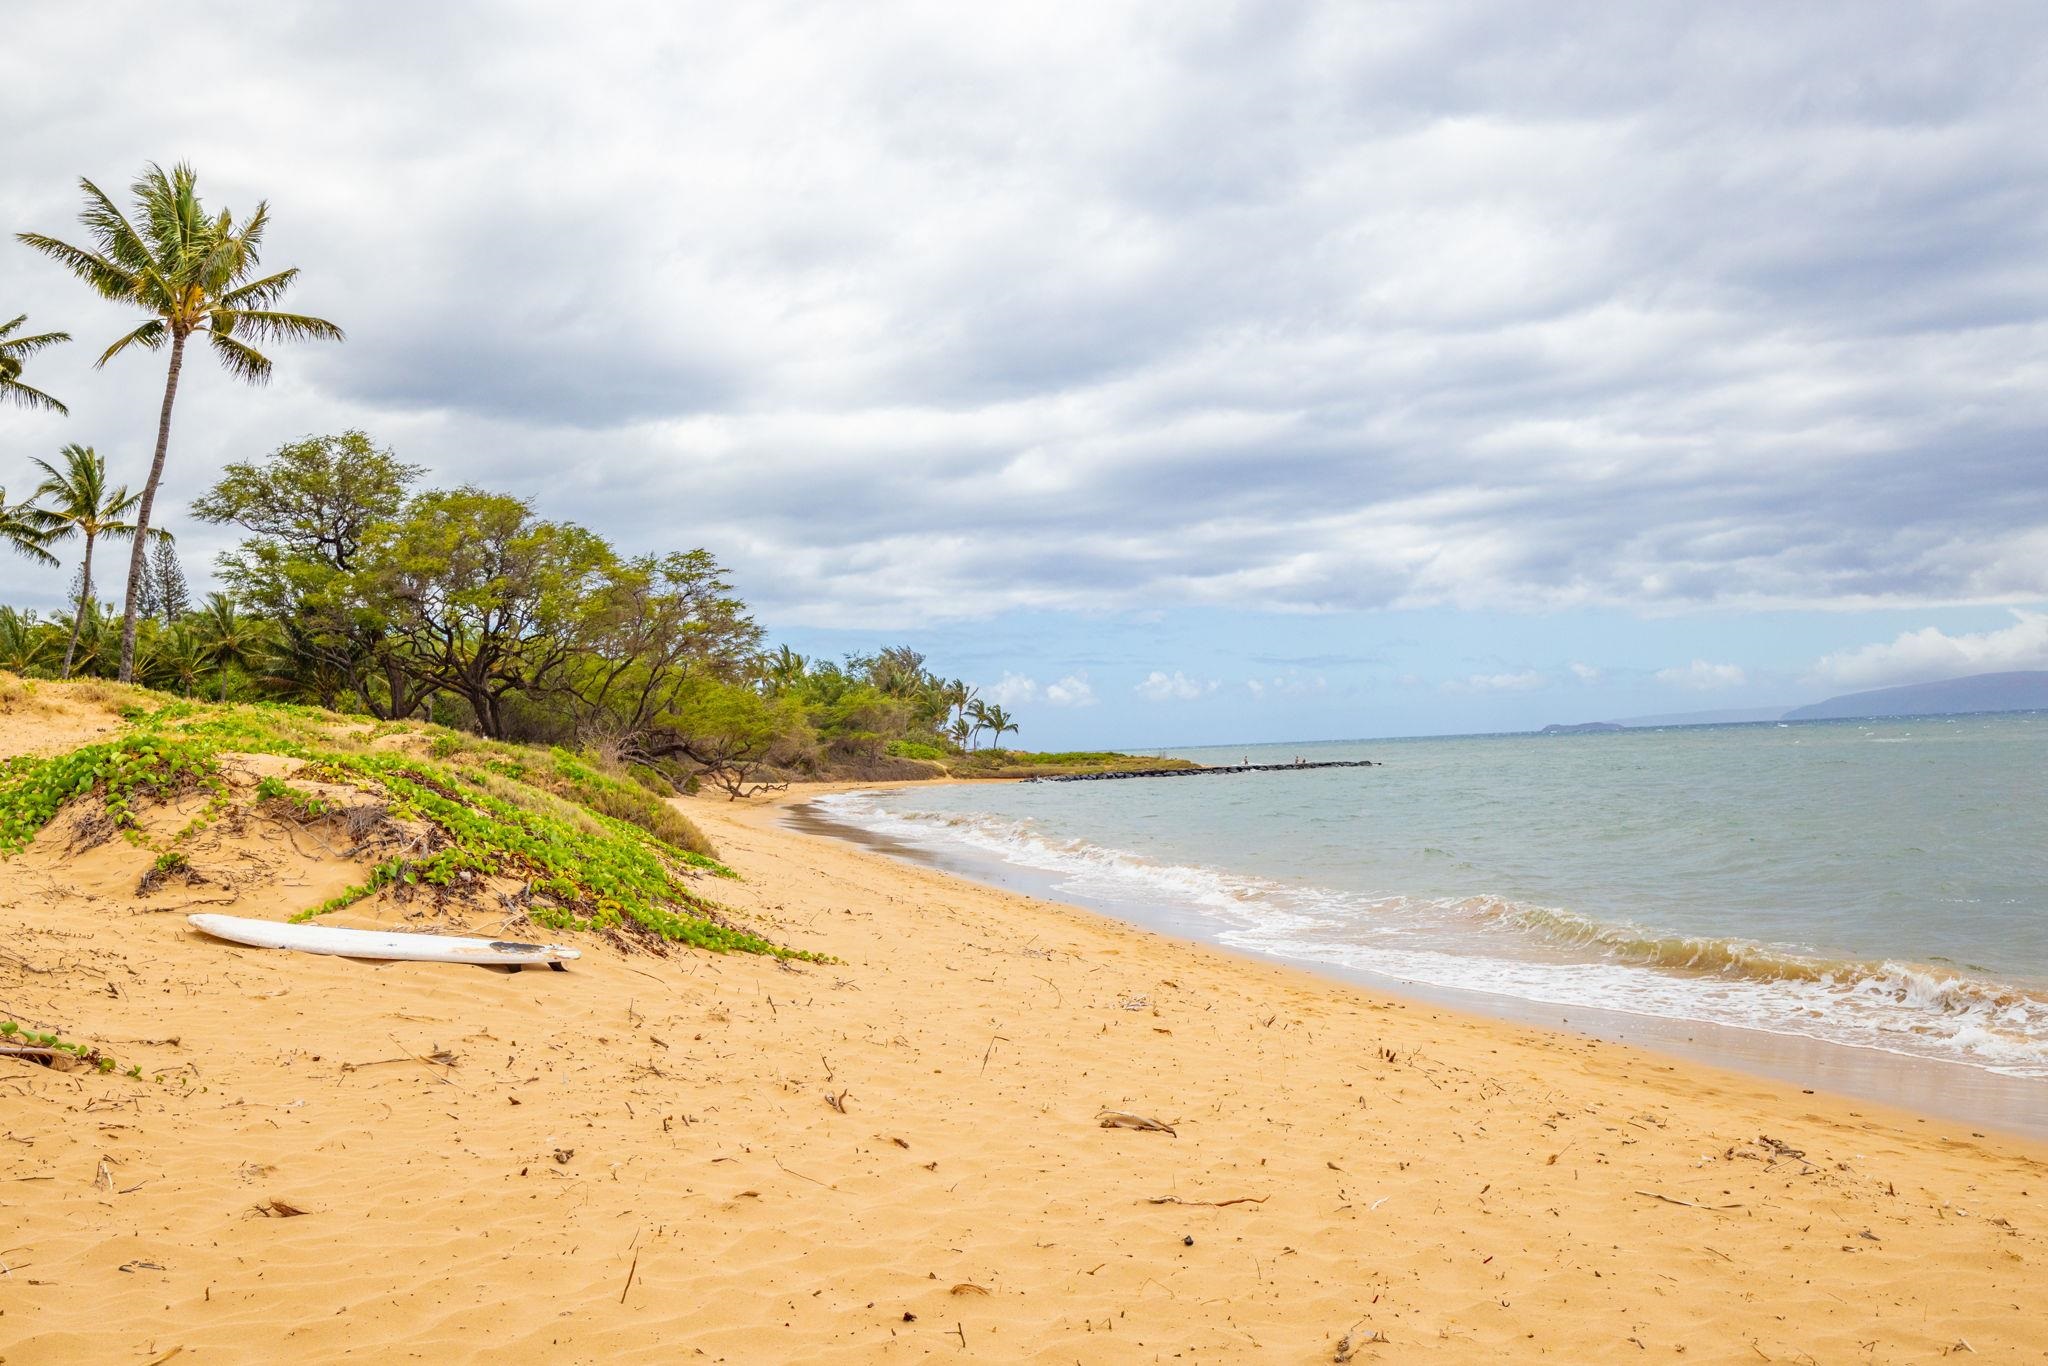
(265, 325)
(19, 347)
(13, 390)
(242, 361)
(112, 230)
(149, 337)
(227, 260)
(19, 532)
(108, 278)
(170, 208)
(260, 293)
(252, 231)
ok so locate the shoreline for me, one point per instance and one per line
(1941, 1090)
(900, 1155)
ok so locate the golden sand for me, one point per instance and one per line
(901, 1155)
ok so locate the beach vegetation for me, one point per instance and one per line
(547, 834)
(20, 1041)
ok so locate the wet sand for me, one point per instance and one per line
(1928, 1088)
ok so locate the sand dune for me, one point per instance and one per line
(898, 1156)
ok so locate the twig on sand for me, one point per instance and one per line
(1689, 1204)
(1212, 1204)
(629, 1276)
(989, 1052)
(1124, 1119)
(812, 1179)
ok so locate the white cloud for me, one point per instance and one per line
(1072, 691)
(1011, 690)
(1930, 653)
(1173, 687)
(1700, 676)
(1267, 307)
(1287, 685)
(1501, 682)
(1585, 673)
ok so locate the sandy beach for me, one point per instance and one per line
(902, 1155)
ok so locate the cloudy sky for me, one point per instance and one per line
(1179, 372)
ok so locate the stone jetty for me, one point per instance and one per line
(1205, 772)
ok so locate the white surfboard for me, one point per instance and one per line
(381, 944)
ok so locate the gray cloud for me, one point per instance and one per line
(1295, 307)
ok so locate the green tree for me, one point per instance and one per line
(483, 599)
(13, 352)
(175, 658)
(315, 497)
(655, 624)
(230, 638)
(82, 505)
(165, 593)
(784, 669)
(308, 505)
(996, 721)
(24, 642)
(190, 272)
(731, 732)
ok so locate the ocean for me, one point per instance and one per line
(1869, 885)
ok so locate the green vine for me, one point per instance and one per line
(594, 851)
(12, 1032)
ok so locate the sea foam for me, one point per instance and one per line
(1500, 946)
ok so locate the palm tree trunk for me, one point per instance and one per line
(78, 609)
(156, 473)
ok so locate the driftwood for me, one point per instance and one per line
(1123, 1119)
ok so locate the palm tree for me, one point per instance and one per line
(13, 351)
(19, 532)
(785, 668)
(189, 273)
(176, 658)
(976, 712)
(82, 505)
(93, 634)
(230, 639)
(21, 640)
(997, 721)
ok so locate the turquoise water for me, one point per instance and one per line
(1875, 884)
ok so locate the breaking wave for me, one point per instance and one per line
(1535, 953)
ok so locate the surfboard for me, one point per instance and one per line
(384, 945)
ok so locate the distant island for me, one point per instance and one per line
(2022, 690)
